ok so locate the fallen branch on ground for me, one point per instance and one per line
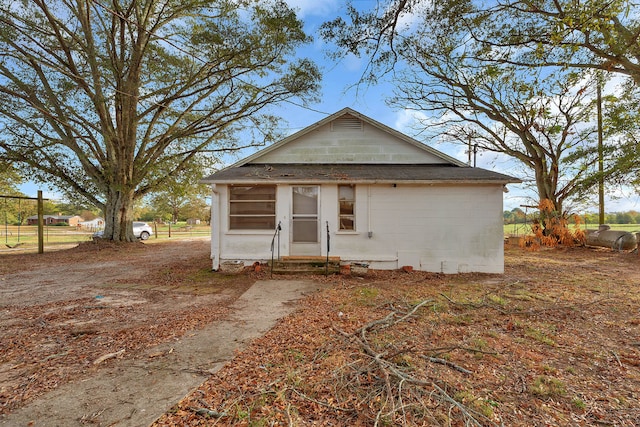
(108, 356)
(394, 389)
(446, 363)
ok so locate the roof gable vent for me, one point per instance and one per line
(346, 122)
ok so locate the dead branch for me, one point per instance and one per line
(440, 350)
(319, 402)
(468, 413)
(401, 390)
(54, 356)
(446, 363)
(108, 356)
(208, 412)
(474, 305)
(617, 358)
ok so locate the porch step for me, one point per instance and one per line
(306, 265)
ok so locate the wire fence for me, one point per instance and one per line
(25, 237)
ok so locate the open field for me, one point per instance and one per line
(25, 237)
(553, 341)
(522, 229)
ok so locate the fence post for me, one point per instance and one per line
(40, 223)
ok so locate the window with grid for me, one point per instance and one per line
(252, 207)
(347, 201)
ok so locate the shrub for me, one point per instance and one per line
(552, 228)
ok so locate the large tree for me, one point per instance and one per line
(621, 148)
(538, 122)
(106, 99)
(182, 190)
(591, 34)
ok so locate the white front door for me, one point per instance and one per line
(305, 230)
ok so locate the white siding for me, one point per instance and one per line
(448, 229)
(368, 145)
(250, 245)
(437, 228)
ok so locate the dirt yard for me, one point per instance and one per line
(62, 311)
(553, 341)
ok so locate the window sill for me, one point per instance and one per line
(240, 232)
(348, 232)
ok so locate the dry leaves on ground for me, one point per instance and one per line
(43, 346)
(553, 341)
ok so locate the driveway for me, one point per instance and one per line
(132, 384)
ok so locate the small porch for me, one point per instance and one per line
(306, 265)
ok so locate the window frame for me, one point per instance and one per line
(348, 216)
(260, 203)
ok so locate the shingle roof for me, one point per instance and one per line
(363, 173)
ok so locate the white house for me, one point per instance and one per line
(367, 192)
(93, 225)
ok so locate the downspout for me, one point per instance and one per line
(215, 228)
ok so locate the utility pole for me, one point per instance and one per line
(473, 150)
(600, 154)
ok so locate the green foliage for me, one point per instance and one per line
(9, 179)
(180, 197)
(109, 110)
(514, 216)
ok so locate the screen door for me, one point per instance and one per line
(305, 222)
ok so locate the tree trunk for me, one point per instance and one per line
(176, 211)
(119, 216)
(546, 183)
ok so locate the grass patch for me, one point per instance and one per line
(547, 387)
(539, 336)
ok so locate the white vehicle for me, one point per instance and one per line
(141, 230)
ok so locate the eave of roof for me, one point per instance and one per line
(359, 173)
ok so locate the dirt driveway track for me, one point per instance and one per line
(134, 389)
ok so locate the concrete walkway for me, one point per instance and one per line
(135, 392)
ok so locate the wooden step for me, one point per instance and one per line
(306, 265)
(309, 258)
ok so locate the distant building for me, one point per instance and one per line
(71, 220)
(92, 225)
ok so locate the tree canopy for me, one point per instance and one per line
(10, 178)
(592, 34)
(108, 99)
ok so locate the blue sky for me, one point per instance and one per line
(338, 91)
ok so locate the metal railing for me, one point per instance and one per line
(276, 234)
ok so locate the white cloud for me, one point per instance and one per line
(323, 8)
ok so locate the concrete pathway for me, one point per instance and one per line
(136, 392)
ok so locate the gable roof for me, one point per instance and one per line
(413, 161)
(255, 158)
